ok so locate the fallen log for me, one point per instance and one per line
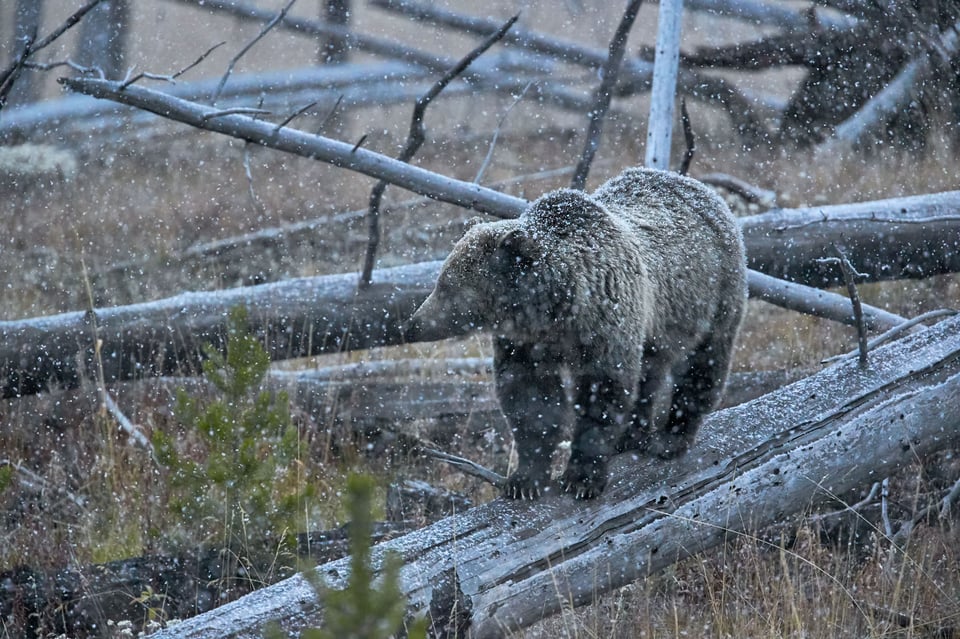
(294, 318)
(900, 238)
(506, 565)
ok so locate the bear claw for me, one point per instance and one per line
(583, 485)
(522, 487)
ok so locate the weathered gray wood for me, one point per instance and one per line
(636, 75)
(513, 563)
(664, 89)
(297, 142)
(899, 238)
(295, 317)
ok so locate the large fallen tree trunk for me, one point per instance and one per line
(506, 565)
(899, 238)
(295, 318)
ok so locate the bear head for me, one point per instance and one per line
(513, 276)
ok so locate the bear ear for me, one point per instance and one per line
(514, 252)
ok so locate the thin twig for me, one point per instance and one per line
(688, 138)
(850, 276)
(415, 140)
(330, 114)
(266, 29)
(601, 99)
(172, 78)
(466, 466)
(894, 332)
(9, 75)
(287, 120)
(853, 508)
(496, 133)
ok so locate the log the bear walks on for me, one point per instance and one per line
(615, 312)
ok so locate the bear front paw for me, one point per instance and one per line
(586, 480)
(668, 445)
(521, 485)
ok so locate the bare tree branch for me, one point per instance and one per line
(9, 75)
(415, 139)
(300, 143)
(263, 32)
(603, 94)
(688, 138)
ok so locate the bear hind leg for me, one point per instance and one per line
(697, 390)
(648, 412)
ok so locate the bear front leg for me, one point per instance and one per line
(533, 399)
(603, 415)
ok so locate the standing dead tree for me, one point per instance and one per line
(506, 565)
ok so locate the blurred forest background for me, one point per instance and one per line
(107, 206)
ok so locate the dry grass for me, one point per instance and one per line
(165, 191)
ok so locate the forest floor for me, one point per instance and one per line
(146, 195)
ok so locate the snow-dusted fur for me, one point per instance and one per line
(615, 312)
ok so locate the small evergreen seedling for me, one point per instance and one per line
(363, 610)
(244, 482)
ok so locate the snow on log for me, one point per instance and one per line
(508, 564)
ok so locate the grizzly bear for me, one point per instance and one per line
(614, 312)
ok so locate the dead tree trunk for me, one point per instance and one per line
(103, 37)
(899, 238)
(26, 23)
(506, 565)
(334, 49)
